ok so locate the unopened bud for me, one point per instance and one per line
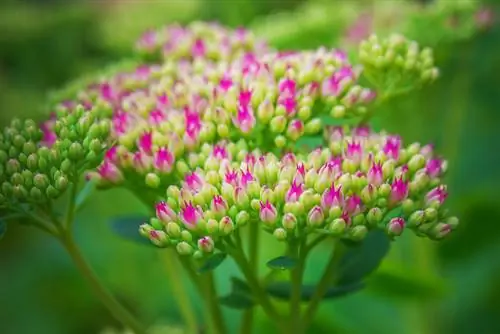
(280, 234)
(206, 244)
(173, 230)
(226, 226)
(358, 233)
(338, 227)
(395, 226)
(183, 248)
(242, 218)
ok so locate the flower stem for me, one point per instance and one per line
(258, 293)
(177, 289)
(212, 304)
(206, 288)
(324, 283)
(253, 254)
(298, 251)
(117, 309)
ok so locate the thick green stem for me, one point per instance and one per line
(298, 251)
(324, 283)
(177, 288)
(117, 309)
(253, 250)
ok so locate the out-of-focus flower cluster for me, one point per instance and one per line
(363, 181)
(199, 40)
(32, 171)
(395, 64)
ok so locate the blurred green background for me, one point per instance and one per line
(422, 288)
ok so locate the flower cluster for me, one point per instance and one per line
(32, 171)
(365, 180)
(271, 101)
(402, 61)
(199, 40)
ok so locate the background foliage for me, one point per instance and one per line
(421, 288)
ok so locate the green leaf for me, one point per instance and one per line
(84, 194)
(240, 296)
(282, 290)
(406, 285)
(3, 228)
(361, 260)
(282, 263)
(127, 227)
(212, 262)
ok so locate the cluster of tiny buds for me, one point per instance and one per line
(272, 102)
(199, 40)
(36, 166)
(405, 61)
(371, 182)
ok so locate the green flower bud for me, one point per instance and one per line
(13, 166)
(66, 166)
(226, 226)
(338, 111)
(416, 162)
(358, 233)
(242, 218)
(374, 216)
(183, 248)
(358, 219)
(338, 227)
(416, 218)
(280, 234)
(452, 222)
(76, 152)
(29, 148)
(335, 212)
(41, 181)
(280, 141)
(61, 183)
(186, 236)
(153, 180)
(212, 226)
(278, 124)
(52, 192)
(17, 179)
(430, 214)
(173, 230)
(289, 221)
(206, 244)
(313, 126)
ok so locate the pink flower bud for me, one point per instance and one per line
(354, 152)
(294, 192)
(396, 226)
(290, 105)
(145, 143)
(156, 116)
(111, 154)
(392, 147)
(399, 190)
(287, 86)
(268, 214)
(352, 205)
(231, 177)
(206, 244)
(375, 175)
(246, 177)
(164, 160)
(193, 181)
(315, 217)
(332, 197)
(220, 152)
(190, 215)
(433, 167)
(165, 213)
(109, 172)
(438, 194)
(218, 205)
(192, 122)
(198, 49)
(245, 119)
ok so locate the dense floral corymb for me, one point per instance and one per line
(31, 171)
(199, 40)
(271, 102)
(364, 181)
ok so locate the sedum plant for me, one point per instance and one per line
(224, 144)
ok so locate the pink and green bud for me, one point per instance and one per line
(396, 226)
(159, 238)
(190, 215)
(338, 227)
(289, 221)
(218, 205)
(437, 196)
(226, 226)
(173, 230)
(268, 214)
(280, 234)
(184, 248)
(165, 213)
(375, 175)
(358, 233)
(315, 217)
(242, 218)
(399, 190)
(206, 244)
